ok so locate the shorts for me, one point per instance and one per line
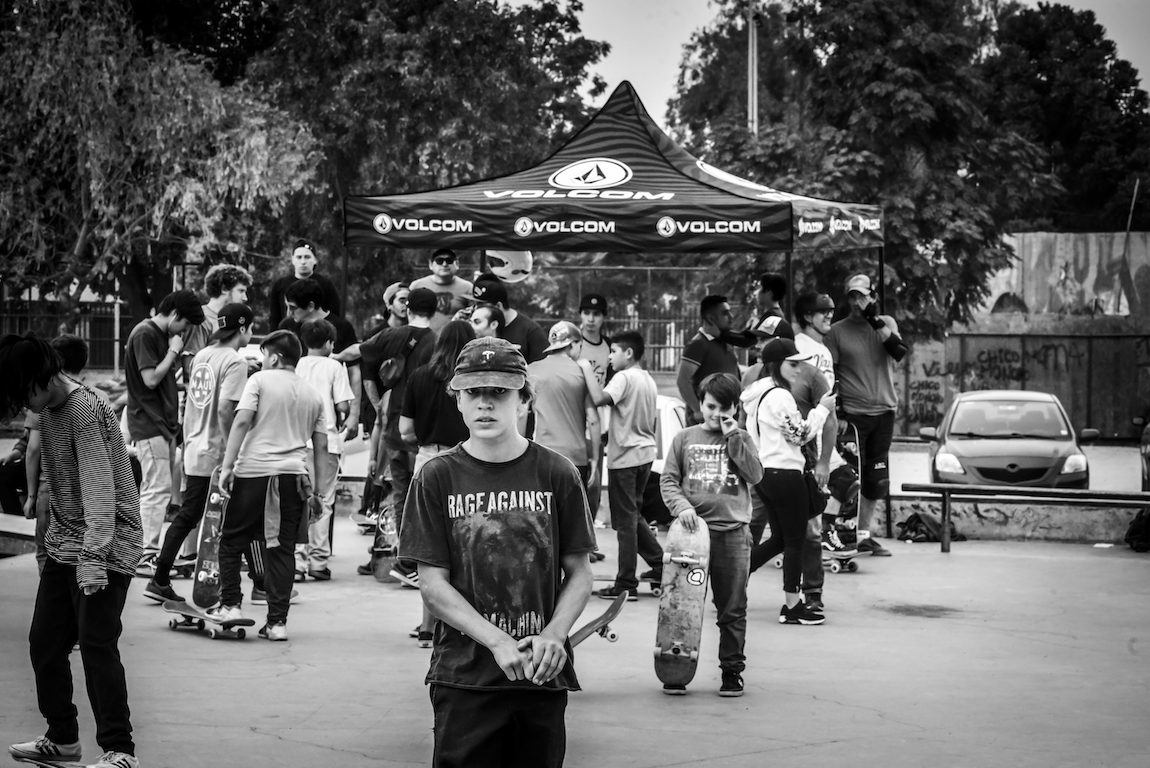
(875, 434)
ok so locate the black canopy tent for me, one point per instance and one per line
(620, 184)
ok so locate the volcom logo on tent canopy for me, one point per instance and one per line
(592, 173)
(525, 226)
(384, 224)
(667, 227)
(811, 227)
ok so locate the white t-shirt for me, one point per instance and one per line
(330, 380)
(217, 374)
(822, 356)
(631, 440)
(288, 410)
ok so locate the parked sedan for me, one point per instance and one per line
(1008, 437)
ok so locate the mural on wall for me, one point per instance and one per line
(1075, 274)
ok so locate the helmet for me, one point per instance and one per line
(510, 266)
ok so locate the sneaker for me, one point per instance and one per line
(425, 639)
(654, 575)
(320, 574)
(675, 690)
(834, 548)
(800, 614)
(815, 602)
(116, 760)
(161, 592)
(597, 556)
(365, 570)
(611, 592)
(732, 685)
(260, 597)
(869, 545)
(409, 577)
(415, 632)
(300, 576)
(277, 631)
(224, 613)
(44, 747)
(147, 566)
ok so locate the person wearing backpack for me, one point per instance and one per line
(387, 361)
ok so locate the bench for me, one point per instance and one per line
(950, 491)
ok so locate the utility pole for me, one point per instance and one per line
(752, 68)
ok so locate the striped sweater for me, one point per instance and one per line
(95, 505)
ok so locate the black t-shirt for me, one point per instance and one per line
(387, 344)
(344, 331)
(526, 334)
(437, 417)
(278, 310)
(712, 356)
(501, 530)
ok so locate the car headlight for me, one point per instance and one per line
(1074, 463)
(947, 462)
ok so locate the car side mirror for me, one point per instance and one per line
(1088, 435)
(927, 434)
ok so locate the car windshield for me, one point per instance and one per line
(1007, 419)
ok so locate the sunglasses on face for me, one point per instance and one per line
(444, 259)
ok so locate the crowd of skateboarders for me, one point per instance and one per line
(495, 530)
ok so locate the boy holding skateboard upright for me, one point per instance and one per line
(265, 471)
(707, 475)
(500, 529)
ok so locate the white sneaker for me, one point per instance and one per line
(116, 760)
(274, 631)
(45, 748)
(226, 613)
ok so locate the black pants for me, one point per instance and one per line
(188, 522)
(784, 492)
(244, 529)
(63, 615)
(498, 729)
(12, 485)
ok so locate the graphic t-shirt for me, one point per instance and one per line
(217, 374)
(501, 530)
(599, 355)
(436, 416)
(822, 356)
(631, 435)
(329, 379)
(561, 406)
(448, 298)
(288, 410)
(709, 472)
(151, 412)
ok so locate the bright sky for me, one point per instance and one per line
(647, 39)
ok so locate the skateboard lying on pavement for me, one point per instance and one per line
(686, 556)
(600, 625)
(44, 762)
(194, 617)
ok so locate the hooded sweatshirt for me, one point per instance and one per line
(776, 425)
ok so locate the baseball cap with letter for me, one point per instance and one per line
(562, 334)
(232, 319)
(489, 362)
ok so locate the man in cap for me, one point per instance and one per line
(303, 260)
(865, 346)
(500, 529)
(448, 287)
(705, 354)
(520, 330)
(216, 380)
(566, 420)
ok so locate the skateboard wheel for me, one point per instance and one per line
(240, 633)
(215, 498)
(666, 558)
(835, 567)
(694, 655)
(778, 562)
(212, 633)
(173, 623)
(200, 624)
(612, 636)
(852, 566)
(658, 651)
(656, 590)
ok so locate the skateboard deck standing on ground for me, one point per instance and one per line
(206, 587)
(847, 444)
(44, 762)
(600, 624)
(385, 546)
(194, 617)
(686, 557)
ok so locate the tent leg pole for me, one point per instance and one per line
(790, 282)
(881, 277)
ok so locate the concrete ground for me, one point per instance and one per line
(1019, 654)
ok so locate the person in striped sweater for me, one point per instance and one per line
(94, 541)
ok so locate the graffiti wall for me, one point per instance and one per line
(1103, 381)
(1076, 274)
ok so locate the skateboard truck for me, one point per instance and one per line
(677, 651)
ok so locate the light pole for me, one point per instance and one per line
(752, 68)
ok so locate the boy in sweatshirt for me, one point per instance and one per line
(707, 475)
